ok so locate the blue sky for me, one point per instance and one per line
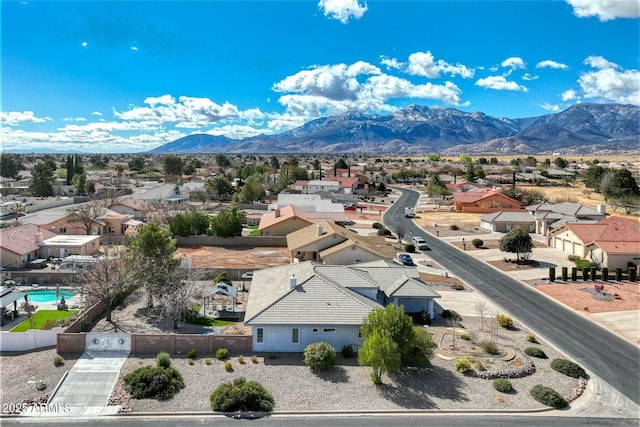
(117, 76)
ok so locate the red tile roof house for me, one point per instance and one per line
(484, 200)
(19, 245)
(613, 242)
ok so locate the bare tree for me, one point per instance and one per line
(85, 216)
(106, 281)
(482, 308)
(176, 294)
(109, 197)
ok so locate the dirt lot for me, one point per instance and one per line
(468, 223)
(572, 295)
(235, 257)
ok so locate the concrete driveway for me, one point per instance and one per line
(85, 390)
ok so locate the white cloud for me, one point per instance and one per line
(569, 95)
(189, 112)
(342, 10)
(514, 63)
(499, 83)
(84, 44)
(606, 10)
(237, 131)
(550, 107)
(96, 113)
(134, 48)
(609, 82)
(530, 77)
(552, 64)
(392, 63)
(423, 64)
(14, 118)
(74, 119)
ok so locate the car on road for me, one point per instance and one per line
(420, 243)
(405, 259)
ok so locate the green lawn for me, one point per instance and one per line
(208, 321)
(41, 317)
(254, 231)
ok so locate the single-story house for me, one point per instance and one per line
(505, 221)
(19, 245)
(281, 222)
(484, 200)
(333, 244)
(552, 215)
(613, 242)
(61, 246)
(294, 305)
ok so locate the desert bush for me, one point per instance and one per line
(241, 360)
(463, 365)
(451, 314)
(163, 360)
(192, 354)
(573, 258)
(319, 356)
(504, 321)
(583, 263)
(548, 396)
(254, 359)
(490, 347)
(347, 351)
(207, 361)
(568, 368)
(503, 385)
(465, 337)
(477, 243)
(50, 324)
(421, 318)
(535, 352)
(454, 227)
(189, 361)
(58, 361)
(222, 353)
(410, 247)
(532, 338)
(228, 367)
(457, 286)
(377, 225)
(241, 395)
(384, 232)
(154, 382)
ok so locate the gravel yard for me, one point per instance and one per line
(347, 386)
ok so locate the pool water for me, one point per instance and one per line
(49, 296)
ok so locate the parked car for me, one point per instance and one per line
(420, 243)
(350, 208)
(406, 259)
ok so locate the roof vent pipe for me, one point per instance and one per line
(293, 281)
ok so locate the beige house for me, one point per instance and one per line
(61, 246)
(19, 245)
(335, 245)
(613, 242)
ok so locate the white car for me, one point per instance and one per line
(420, 243)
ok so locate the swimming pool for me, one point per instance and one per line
(49, 296)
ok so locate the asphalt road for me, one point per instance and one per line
(601, 352)
(412, 420)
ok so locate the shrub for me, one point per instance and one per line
(573, 258)
(192, 354)
(548, 396)
(190, 361)
(490, 347)
(384, 232)
(222, 353)
(454, 227)
(347, 351)
(377, 225)
(568, 368)
(163, 360)
(50, 324)
(241, 360)
(271, 356)
(228, 367)
(535, 352)
(241, 395)
(463, 365)
(154, 382)
(532, 338)
(477, 243)
(583, 263)
(319, 356)
(254, 359)
(503, 385)
(465, 337)
(421, 318)
(207, 361)
(451, 314)
(409, 247)
(504, 321)
(457, 286)
(58, 361)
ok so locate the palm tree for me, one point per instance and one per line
(16, 210)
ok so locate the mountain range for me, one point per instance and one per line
(584, 128)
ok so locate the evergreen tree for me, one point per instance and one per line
(41, 180)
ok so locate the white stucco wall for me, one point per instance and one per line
(351, 255)
(277, 338)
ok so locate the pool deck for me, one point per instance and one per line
(22, 315)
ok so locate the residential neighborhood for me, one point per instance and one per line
(118, 258)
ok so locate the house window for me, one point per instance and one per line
(315, 330)
(62, 230)
(329, 330)
(260, 335)
(295, 336)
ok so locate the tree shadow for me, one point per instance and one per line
(335, 374)
(416, 387)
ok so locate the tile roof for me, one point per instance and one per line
(478, 194)
(614, 234)
(22, 239)
(408, 287)
(508, 217)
